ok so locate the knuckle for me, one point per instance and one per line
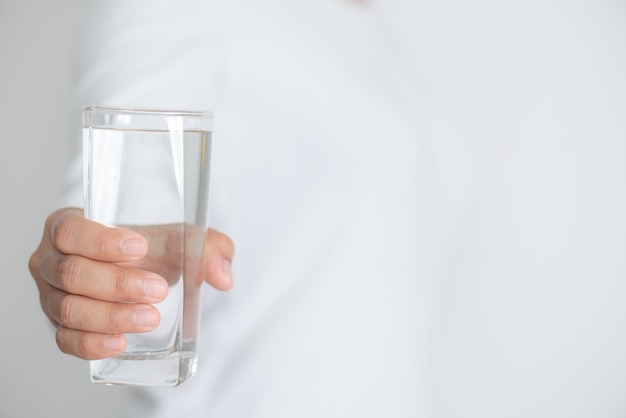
(112, 321)
(61, 230)
(84, 347)
(67, 310)
(70, 270)
(101, 241)
(123, 283)
(61, 341)
(75, 343)
(72, 343)
(34, 262)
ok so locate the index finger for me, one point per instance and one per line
(71, 233)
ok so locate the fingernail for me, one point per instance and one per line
(134, 247)
(154, 288)
(113, 342)
(228, 272)
(145, 318)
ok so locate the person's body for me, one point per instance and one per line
(338, 186)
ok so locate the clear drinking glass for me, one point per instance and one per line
(148, 170)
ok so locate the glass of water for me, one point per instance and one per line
(148, 170)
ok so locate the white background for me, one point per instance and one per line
(537, 325)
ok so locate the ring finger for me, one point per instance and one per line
(85, 314)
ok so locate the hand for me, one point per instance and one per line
(92, 291)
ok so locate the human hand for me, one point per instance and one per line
(91, 286)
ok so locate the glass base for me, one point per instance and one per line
(168, 369)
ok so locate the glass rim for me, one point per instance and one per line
(147, 119)
(148, 111)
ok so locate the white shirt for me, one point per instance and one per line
(340, 188)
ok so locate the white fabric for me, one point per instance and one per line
(340, 188)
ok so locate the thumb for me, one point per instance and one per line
(218, 254)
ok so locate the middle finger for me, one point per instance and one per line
(105, 281)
